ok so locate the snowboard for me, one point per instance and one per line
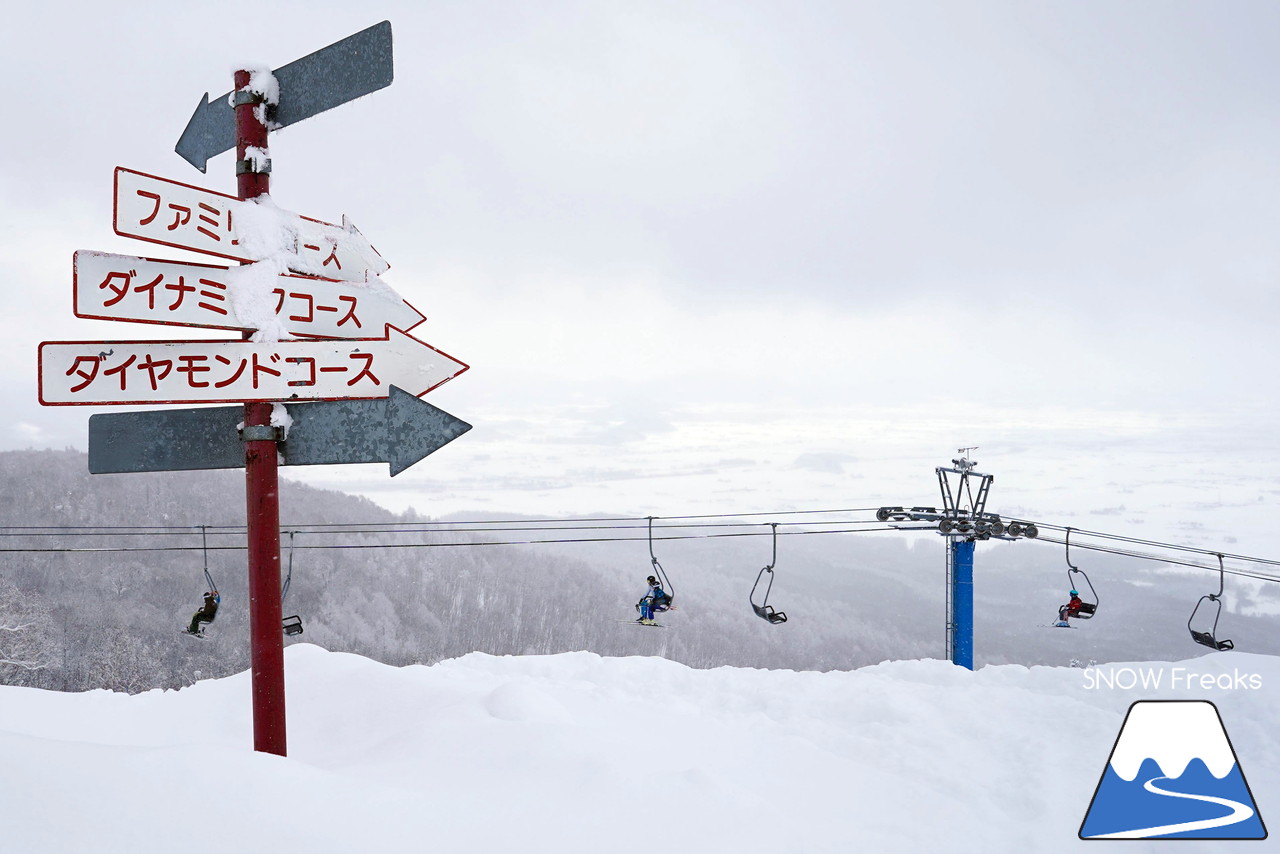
(197, 635)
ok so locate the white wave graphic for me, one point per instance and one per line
(1172, 734)
(1239, 812)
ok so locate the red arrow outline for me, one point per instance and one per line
(75, 303)
(115, 217)
(387, 336)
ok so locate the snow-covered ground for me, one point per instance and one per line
(579, 753)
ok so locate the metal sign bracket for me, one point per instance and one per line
(260, 433)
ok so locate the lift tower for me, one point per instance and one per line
(963, 520)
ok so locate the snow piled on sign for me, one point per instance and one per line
(579, 754)
(281, 419)
(259, 159)
(272, 234)
(261, 82)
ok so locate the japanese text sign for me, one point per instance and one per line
(123, 287)
(112, 372)
(171, 213)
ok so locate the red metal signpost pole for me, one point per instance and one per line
(262, 483)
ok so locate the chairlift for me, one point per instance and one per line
(1087, 608)
(764, 610)
(292, 625)
(211, 587)
(204, 549)
(658, 570)
(1210, 638)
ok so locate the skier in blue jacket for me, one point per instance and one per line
(655, 600)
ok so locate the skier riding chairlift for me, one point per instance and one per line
(209, 609)
(659, 597)
(1071, 609)
(1079, 608)
(655, 601)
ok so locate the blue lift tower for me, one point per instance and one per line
(962, 520)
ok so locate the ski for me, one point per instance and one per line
(644, 625)
(197, 635)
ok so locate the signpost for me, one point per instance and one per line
(125, 287)
(399, 430)
(357, 359)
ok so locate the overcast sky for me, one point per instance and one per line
(725, 257)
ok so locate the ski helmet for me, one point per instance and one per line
(651, 580)
(1075, 592)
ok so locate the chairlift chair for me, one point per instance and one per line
(1087, 608)
(764, 610)
(1210, 638)
(659, 571)
(204, 548)
(292, 625)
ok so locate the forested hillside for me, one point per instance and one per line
(73, 620)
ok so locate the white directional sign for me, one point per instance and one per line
(110, 372)
(175, 214)
(123, 287)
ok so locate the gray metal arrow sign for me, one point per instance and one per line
(328, 78)
(399, 429)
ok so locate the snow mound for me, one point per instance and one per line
(579, 753)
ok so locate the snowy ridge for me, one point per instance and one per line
(1172, 735)
(581, 753)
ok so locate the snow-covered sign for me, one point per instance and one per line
(171, 213)
(320, 81)
(125, 287)
(110, 372)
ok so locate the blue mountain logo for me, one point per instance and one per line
(1173, 774)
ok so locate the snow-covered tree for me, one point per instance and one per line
(27, 642)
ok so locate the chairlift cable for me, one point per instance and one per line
(1156, 543)
(1242, 573)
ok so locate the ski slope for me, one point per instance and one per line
(578, 753)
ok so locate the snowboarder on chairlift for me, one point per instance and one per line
(207, 612)
(655, 600)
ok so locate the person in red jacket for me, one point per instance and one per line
(1071, 609)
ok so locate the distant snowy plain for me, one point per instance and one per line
(578, 753)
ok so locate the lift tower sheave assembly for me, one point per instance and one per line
(963, 520)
